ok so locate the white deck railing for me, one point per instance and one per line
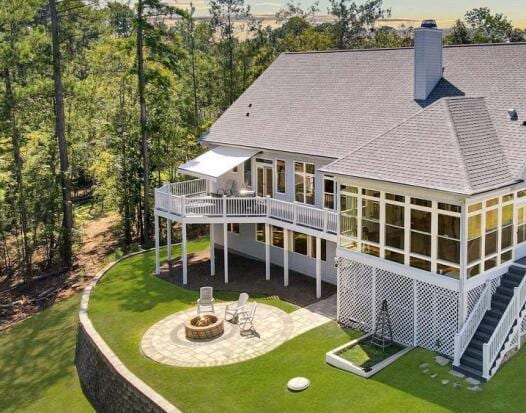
(189, 199)
(464, 336)
(491, 349)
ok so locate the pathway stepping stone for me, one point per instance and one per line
(444, 382)
(472, 381)
(475, 388)
(442, 361)
(424, 365)
(434, 375)
(456, 385)
(456, 374)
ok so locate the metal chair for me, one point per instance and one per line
(205, 300)
(246, 319)
(234, 309)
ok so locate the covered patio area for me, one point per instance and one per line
(247, 275)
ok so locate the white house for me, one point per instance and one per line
(395, 174)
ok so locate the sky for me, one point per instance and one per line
(444, 11)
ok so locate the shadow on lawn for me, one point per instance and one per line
(36, 354)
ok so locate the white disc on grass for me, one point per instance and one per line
(298, 384)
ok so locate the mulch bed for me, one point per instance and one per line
(245, 275)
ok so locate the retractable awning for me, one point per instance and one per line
(216, 162)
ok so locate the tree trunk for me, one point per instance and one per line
(67, 223)
(194, 77)
(18, 168)
(145, 232)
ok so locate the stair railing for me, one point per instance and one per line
(466, 333)
(491, 349)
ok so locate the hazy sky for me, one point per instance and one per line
(444, 11)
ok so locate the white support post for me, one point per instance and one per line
(462, 290)
(267, 252)
(373, 299)
(285, 257)
(225, 249)
(169, 240)
(157, 252)
(318, 267)
(184, 254)
(212, 251)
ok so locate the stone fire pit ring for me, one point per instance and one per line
(204, 327)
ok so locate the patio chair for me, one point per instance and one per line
(232, 310)
(246, 319)
(206, 300)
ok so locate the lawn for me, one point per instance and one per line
(36, 362)
(129, 300)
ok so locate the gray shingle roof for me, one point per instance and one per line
(332, 103)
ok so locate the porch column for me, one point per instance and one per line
(157, 257)
(225, 249)
(184, 255)
(285, 257)
(169, 240)
(318, 267)
(212, 251)
(267, 251)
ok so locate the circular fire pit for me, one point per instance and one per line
(203, 327)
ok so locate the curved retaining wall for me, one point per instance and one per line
(105, 380)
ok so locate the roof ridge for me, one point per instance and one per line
(379, 49)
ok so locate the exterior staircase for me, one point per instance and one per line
(471, 362)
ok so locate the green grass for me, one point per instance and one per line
(365, 354)
(129, 300)
(36, 363)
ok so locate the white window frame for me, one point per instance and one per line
(276, 176)
(333, 194)
(305, 174)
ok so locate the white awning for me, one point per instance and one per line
(216, 162)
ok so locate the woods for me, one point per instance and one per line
(109, 98)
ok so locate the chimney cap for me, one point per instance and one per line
(429, 24)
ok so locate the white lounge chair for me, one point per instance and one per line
(205, 300)
(234, 309)
(246, 319)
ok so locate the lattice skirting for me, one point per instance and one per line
(421, 314)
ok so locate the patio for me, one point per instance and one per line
(165, 341)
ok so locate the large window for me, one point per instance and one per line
(281, 176)
(349, 217)
(304, 182)
(260, 232)
(233, 228)
(329, 192)
(395, 226)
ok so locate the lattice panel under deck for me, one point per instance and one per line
(473, 297)
(354, 294)
(437, 318)
(398, 291)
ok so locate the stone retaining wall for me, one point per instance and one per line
(105, 380)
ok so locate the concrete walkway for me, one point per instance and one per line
(165, 342)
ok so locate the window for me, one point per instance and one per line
(449, 238)
(421, 232)
(521, 224)
(329, 192)
(233, 228)
(300, 243)
(281, 176)
(371, 221)
(474, 237)
(304, 182)
(277, 236)
(421, 202)
(260, 232)
(371, 250)
(394, 226)
(349, 215)
(420, 263)
(506, 239)
(247, 172)
(492, 224)
(323, 248)
(394, 256)
(235, 169)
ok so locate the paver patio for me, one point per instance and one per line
(165, 342)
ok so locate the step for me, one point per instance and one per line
(481, 336)
(476, 344)
(471, 362)
(504, 290)
(469, 371)
(473, 353)
(508, 284)
(499, 305)
(514, 269)
(486, 328)
(512, 277)
(495, 313)
(500, 297)
(489, 319)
